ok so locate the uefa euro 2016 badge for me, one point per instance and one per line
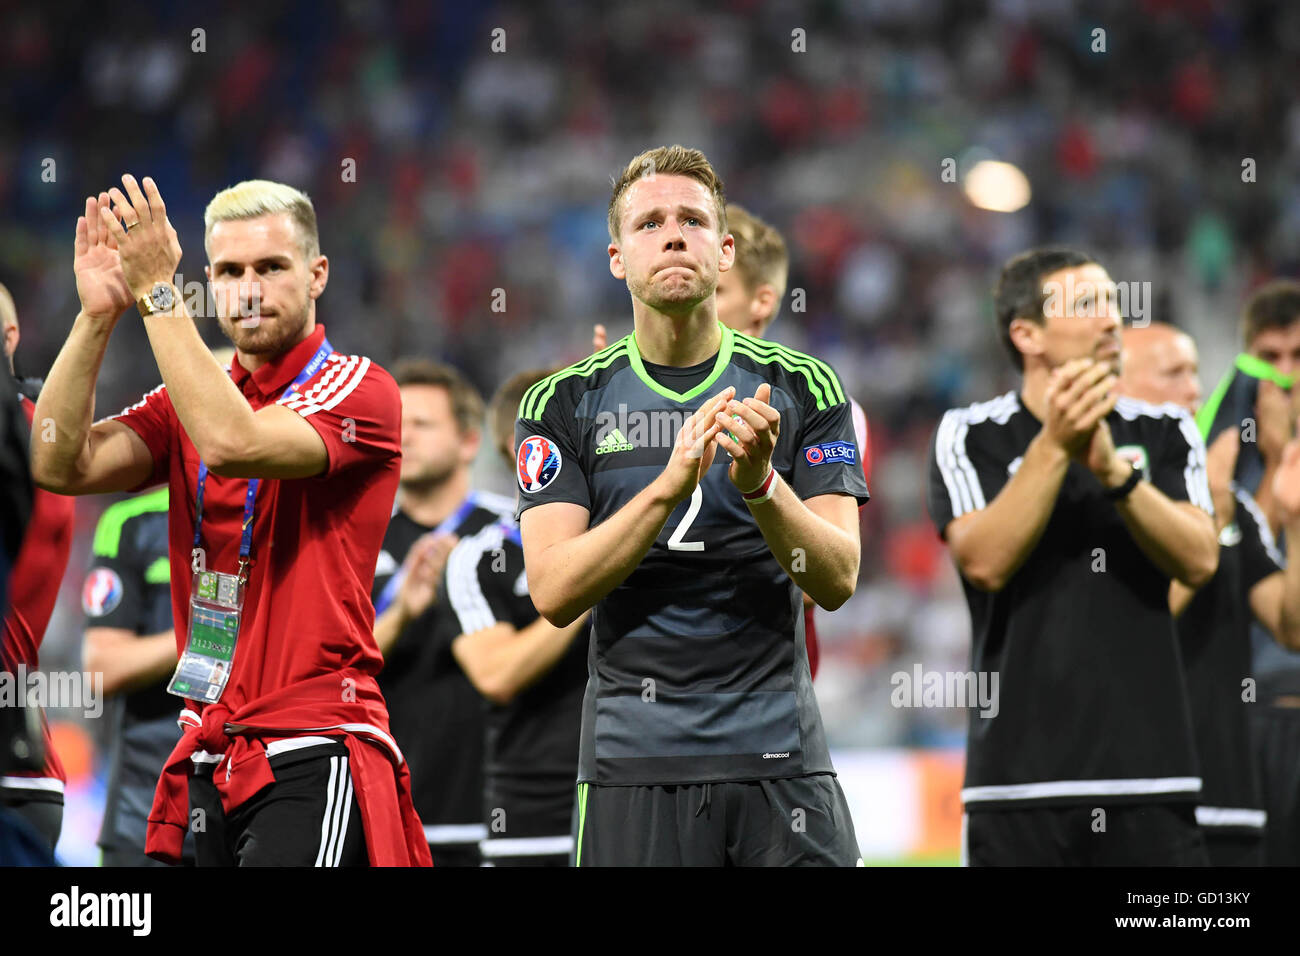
(538, 463)
(101, 593)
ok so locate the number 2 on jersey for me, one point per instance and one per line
(675, 543)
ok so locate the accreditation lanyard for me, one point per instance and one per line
(448, 525)
(246, 536)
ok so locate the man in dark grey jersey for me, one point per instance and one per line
(701, 739)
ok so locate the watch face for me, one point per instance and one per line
(162, 297)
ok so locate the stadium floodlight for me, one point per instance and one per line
(997, 186)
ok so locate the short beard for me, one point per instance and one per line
(428, 480)
(255, 342)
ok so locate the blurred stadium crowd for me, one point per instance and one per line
(478, 171)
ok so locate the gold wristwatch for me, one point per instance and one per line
(161, 298)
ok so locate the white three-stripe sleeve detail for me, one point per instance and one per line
(335, 395)
(463, 588)
(1198, 486)
(1265, 532)
(958, 496)
(964, 490)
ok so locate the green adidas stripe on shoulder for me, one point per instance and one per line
(158, 572)
(534, 401)
(828, 377)
(822, 381)
(108, 533)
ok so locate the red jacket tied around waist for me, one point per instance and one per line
(345, 704)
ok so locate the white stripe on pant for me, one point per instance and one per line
(338, 808)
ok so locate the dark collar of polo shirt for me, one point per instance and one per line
(280, 371)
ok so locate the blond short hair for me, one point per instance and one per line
(667, 161)
(761, 256)
(261, 197)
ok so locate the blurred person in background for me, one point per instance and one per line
(435, 713)
(35, 795)
(531, 673)
(21, 740)
(1270, 330)
(1213, 623)
(748, 299)
(1067, 510)
(126, 600)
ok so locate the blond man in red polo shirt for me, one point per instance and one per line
(282, 471)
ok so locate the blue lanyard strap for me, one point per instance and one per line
(246, 536)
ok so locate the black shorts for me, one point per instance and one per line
(1132, 834)
(130, 856)
(798, 821)
(1234, 848)
(42, 810)
(455, 854)
(1276, 735)
(308, 817)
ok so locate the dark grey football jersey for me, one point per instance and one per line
(698, 671)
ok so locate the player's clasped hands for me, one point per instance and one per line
(1080, 394)
(423, 569)
(1286, 482)
(123, 245)
(749, 432)
(695, 447)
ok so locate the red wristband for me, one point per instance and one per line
(765, 489)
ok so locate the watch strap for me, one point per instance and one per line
(1122, 491)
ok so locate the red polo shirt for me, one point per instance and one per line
(307, 609)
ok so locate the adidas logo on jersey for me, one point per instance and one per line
(613, 442)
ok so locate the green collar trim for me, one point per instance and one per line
(723, 360)
(1258, 368)
(1250, 365)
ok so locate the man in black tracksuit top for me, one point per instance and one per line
(435, 714)
(531, 674)
(1161, 365)
(1068, 510)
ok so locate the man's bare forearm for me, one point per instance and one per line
(1264, 497)
(501, 661)
(129, 662)
(1289, 629)
(1180, 543)
(821, 558)
(389, 626)
(573, 575)
(68, 400)
(210, 407)
(991, 544)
